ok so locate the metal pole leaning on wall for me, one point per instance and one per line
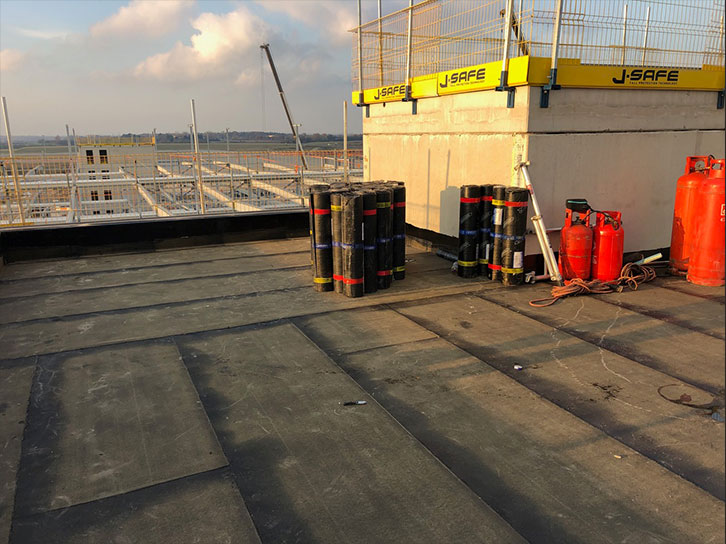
(541, 231)
(196, 158)
(409, 35)
(13, 166)
(544, 100)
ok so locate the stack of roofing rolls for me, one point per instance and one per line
(357, 236)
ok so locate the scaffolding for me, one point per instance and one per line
(58, 189)
(536, 35)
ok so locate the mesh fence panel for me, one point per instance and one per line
(452, 34)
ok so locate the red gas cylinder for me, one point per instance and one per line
(607, 247)
(683, 211)
(706, 266)
(576, 241)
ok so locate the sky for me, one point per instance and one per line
(112, 67)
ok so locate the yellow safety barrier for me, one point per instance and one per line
(534, 71)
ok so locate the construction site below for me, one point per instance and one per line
(129, 180)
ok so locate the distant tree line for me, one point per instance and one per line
(184, 137)
(236, 136)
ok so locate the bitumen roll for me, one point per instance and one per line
(514, 227)
(312, 189)
(495, 259)
(399, 232)
(370, 253)
(321, 238)
(469, 204)
(384, 242)
(336, 222)
(352, 243)
(485, 230)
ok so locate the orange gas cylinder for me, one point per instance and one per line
(683, 211)
(706, 266)
(576, 241)
(607, 247)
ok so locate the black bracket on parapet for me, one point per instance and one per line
(367, 107)
(720, 100)
(544, 97)
(511, 91)
(414, 101)
(362, 104)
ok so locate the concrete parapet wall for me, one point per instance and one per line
(613, 110)
(621, 149)
(634, 173)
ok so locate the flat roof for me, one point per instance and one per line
(198, 395)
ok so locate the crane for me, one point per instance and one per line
(293, 126)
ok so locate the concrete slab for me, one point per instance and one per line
(691, 312)
(105, 422)
(100, 263)
(345, 332)
(73, 283)
(553, 477)
(613, 393)
(198, 509)
(14, 394)
(312, 470)
(70, 333)
(136, 295)
(150, 274)
(679, 352)
(144, 295)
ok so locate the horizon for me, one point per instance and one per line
(132, 66)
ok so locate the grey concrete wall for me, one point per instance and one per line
(451, 141)
(620, 149)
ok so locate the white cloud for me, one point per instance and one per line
(10, 59)
(332, 18)
(144, 17)
(217, 48)
(42, 34)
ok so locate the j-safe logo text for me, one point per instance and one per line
(465, 76)
(640, 76)
(391, 90)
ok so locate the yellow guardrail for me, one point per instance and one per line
(439, 47)
(534, 71)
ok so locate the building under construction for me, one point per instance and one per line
(604, 99)
(116, 178)
(168, 373)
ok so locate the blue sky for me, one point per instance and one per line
(109, 67)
